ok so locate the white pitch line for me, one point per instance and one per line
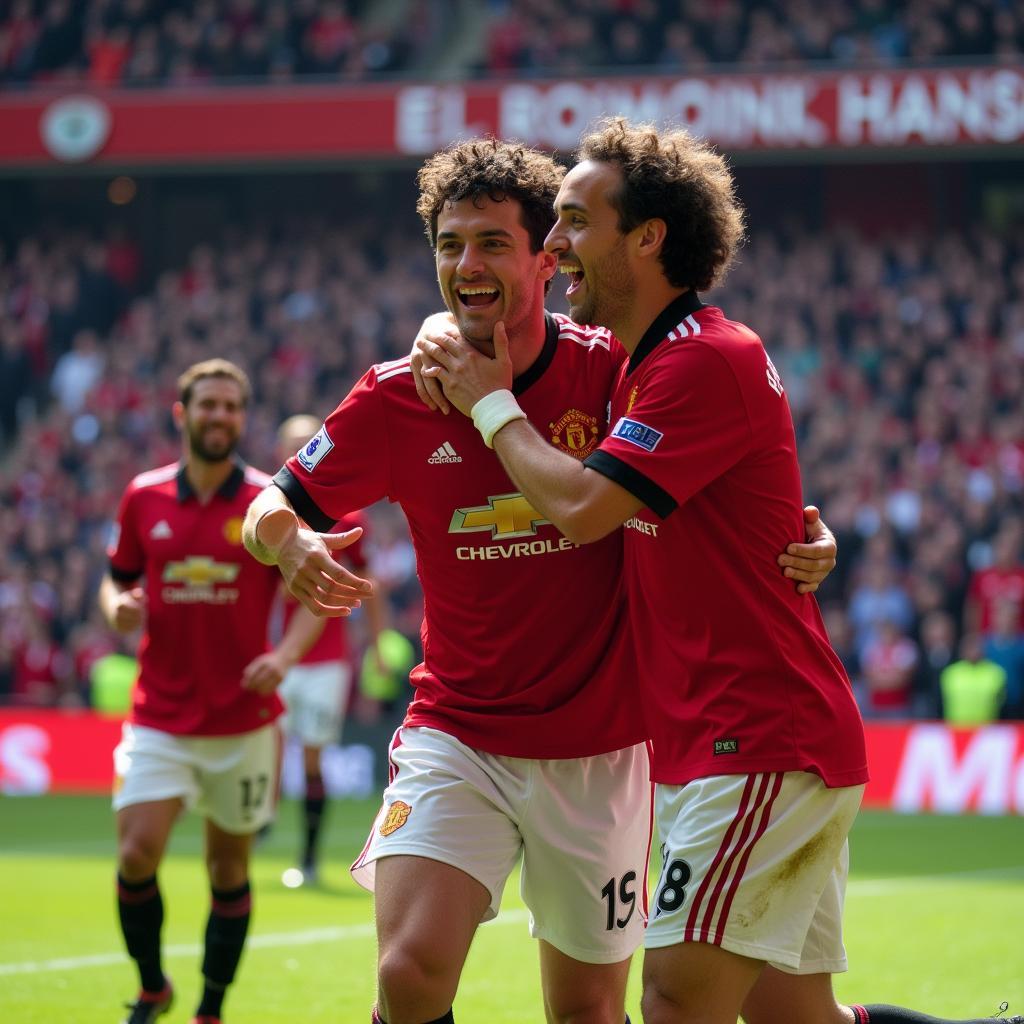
(271, 941)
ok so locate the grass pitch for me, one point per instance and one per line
(934, 920)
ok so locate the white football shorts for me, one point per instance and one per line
(315, 697)
(232, 780)
(756, 864)
(583, 827)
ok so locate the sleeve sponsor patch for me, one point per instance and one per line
(637, 433)
(314, 450)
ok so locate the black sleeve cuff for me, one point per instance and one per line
(123, 575)
(302, 502)
(659, 501)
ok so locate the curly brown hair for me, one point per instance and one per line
(496, 170)
(675, 177)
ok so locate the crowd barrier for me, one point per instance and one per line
(915, 766)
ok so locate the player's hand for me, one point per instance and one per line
(264, 674)
(436, 328)
(130, 610)
(811, 562)
(466, 375)
(315, 579)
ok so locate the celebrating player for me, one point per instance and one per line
(758, 748)
(202, 731)
(520, 737)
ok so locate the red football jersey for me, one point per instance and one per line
(988, 587)
(524, 650)
(208, 602)
(737, 670)
(332, 643)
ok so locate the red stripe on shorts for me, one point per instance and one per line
(727, 876)
(645, 903)
(762, 827)
(691, 922)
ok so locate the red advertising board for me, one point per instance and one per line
(919, 766)
(934, 107)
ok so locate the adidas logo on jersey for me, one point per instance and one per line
(161, 531)
(446, 453)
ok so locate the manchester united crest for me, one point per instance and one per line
(397, 816)
(233, 530)
(575, 433)
(632, 398)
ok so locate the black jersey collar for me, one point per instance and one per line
(671, 316)
(536, 369)
(228, 489)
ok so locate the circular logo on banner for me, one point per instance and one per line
(75, 128)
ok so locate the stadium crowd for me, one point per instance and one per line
(185, 42)
(573, 35)
(188, 42)
(903, 359)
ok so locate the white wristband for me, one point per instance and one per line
(493, 411)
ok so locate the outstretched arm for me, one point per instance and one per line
(273, 535)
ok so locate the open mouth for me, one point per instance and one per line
(477, 296)
(574, 271)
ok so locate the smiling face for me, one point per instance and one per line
(487, 270)
(590, 247)
(213, 421)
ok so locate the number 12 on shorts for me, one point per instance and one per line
(671, 892)
(626, 897)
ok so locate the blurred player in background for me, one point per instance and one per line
(758, 747)
(201, 733)
(316, 691)
(519, 738)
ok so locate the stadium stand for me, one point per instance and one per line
(188, 42)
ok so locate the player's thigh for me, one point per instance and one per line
(575, 991)
(747, 859)
(449, 804)
(143, 830)
(586, 845)
(695, 983)
(237, 778)
(151, 766)
(780, 998)
(428, 910)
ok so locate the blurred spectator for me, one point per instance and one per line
(1004, 646)
(1002, 582)
(938, 647)
(973, 688)
(888, 665)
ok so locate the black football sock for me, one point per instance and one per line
(316, 799)
(141, 910)
(225, 937)
(878, 1013)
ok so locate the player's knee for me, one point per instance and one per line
(586, 1009)
(658, 1006)
(415, 975)
(227, 872)
(138, 857)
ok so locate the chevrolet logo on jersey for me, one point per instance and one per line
(505, 515)
(200, 571)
